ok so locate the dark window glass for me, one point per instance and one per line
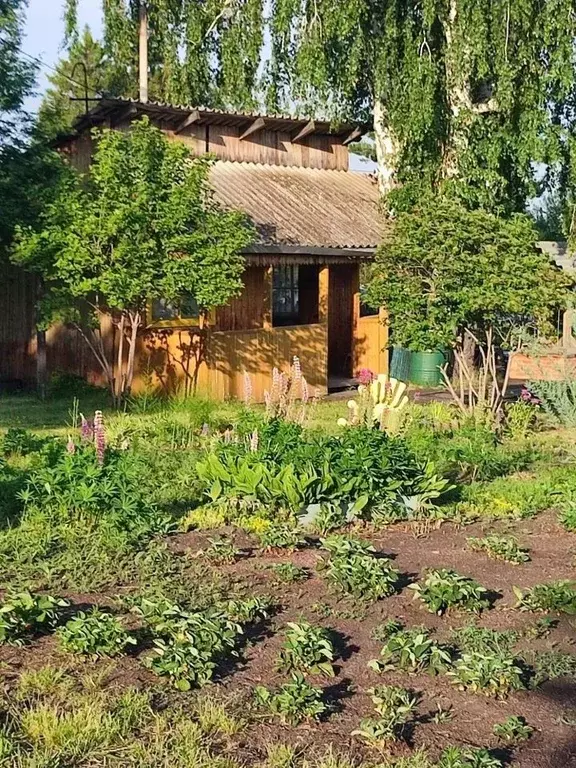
(285, 295)
(185, 309)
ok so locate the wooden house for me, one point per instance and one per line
(317, 222)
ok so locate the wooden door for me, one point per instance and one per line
(341, 294)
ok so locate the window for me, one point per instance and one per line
(164, 312)
(285, 295)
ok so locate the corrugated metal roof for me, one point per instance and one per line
(302, 206)
(559, 252)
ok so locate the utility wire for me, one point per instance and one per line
(54, 69)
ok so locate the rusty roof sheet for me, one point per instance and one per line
(302, 206)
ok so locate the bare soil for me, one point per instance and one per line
(352, 623)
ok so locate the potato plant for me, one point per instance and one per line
(394, 707)
(354, 569)
(443, 589)
(281, 536)
(490, 674)
(96, 634)
(307, 648)
(23, 615)
(513, 730)
(500, 548)
(289, 573)
(292, 702)
(411, 650)
(557, 596)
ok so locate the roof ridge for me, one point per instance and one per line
(251, 163)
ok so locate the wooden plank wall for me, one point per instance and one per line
(17, 333)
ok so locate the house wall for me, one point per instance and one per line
(17, 333)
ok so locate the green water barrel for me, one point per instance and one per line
(425, 368)
(400, 364)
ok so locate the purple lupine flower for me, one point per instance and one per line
(529, 397)
(99, 437)
(86, 430)
(70, 447)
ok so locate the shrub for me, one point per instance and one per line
(500, 548)
(95, 634)
(307, 648)
(557, 596)
(491, 674)
(513, 730)
(557, 398)
(394, 706)
(20, 441)
(23, 615)
(443, 589)
(293, 702)
(411, 650)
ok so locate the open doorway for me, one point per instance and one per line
(342, 288)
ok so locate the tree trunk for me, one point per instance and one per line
(135, 321)
(143, 51)
(387, 148)
(459, 101)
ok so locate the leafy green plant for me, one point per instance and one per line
(482, 640)
(558, 399)
(557, 596)
(513, 730)
(96, 634)
(500, 548)
(221, 551)
(520, 419)
(549, 665)
(289, 573)
(411, 650)
(510, 497)
(541, 628)
(307, 648)
(488, 673)
(281, 536)
(293, 702)
(343, 546)
(395, 707)
(443, 589)
(467, 757)
(361, 575)
(23, 615)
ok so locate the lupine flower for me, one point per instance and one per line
(305, 391)
(254, 441)
(228, 436)
(247, 388)
(99, 437)
(70, 447)
(205, 430)
(296, 370)
(530, 398)
(86, 430)
(365, 376)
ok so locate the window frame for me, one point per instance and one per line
(197, 321)
(290, 288)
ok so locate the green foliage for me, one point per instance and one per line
(487, 641)
(488, 673)
(354, 569)
(444, 269)
(558, 399)
(146, 227)
(293, 702)
(458, 757)
(18, 74)
(289, 573)
(520, 419)
(411, 650)
(221, 551)
(443, 589)
(557, 596)
(293, 468)
(511, 497)
(513, 730)
(549, 665)
(395, 707)
(96, 634)
(500, 548)
(307, 649)
(281, 536)
(20, 441)
(23, 615)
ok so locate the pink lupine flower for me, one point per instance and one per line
(296, 370)
(70, 447)
(248, 393)
(305, 391)
(86, 430)
(365, 376)
(267, 399)
(254, 441)
(99, 437)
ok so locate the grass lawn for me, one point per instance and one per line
(163, 606)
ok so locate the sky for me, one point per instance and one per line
(45, 31)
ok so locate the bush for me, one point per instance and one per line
(293, 702)
(500, 548)
(23, 615)
(557, 398)
(354, 569)
(307, 648)
(96, 634)
(443, 589)
(557, 596)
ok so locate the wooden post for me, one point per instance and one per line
(568, 340)
(383, 341)
(143, 51)
(267, 303)
(323, 299)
